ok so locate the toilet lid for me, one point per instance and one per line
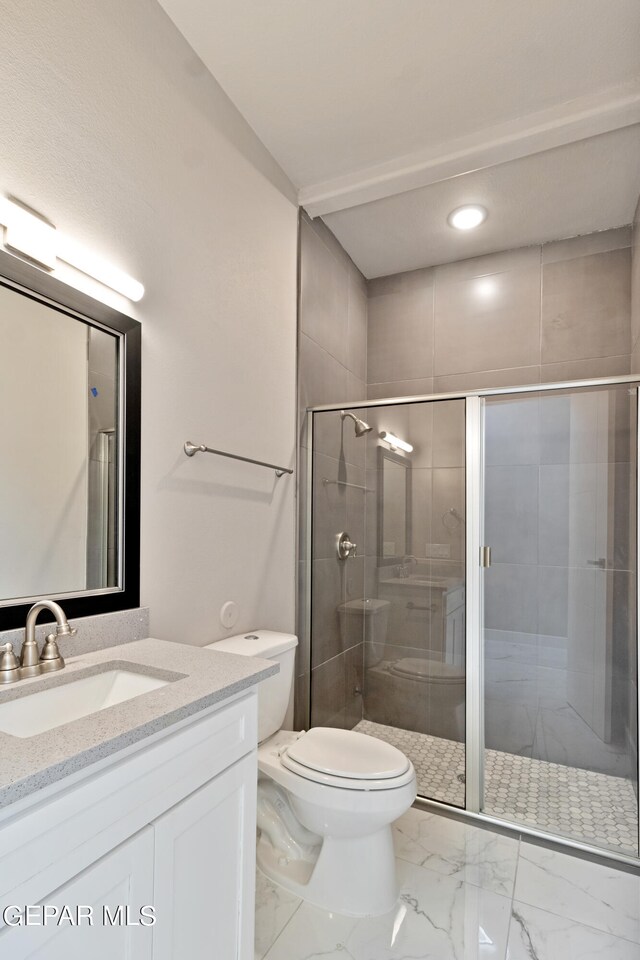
(420, 668)
(345, 753)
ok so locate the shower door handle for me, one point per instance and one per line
(485, 556)
(602, 563)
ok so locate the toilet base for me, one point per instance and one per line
(355, 876)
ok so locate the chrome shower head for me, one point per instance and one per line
(360, 426)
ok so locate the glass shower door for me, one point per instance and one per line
(559, 634)
(388, 621)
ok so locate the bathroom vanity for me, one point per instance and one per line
(146, 807)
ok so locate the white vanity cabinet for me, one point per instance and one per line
(202, 888)
(124, 876)
(168, 824)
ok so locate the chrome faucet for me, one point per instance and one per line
(31, 661)
(405, 565)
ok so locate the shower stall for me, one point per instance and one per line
(470, 595)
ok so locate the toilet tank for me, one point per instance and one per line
(274, 692)
(368, 620)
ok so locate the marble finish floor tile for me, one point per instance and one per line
(537, 935)
(595, 808)
(274, 908)
(584, 892)
(458, 901)
(436, 918)
(459, 850)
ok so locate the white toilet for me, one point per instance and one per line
(431, 693)
(326, 798)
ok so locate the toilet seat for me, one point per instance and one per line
(425, 670)
(346, 759)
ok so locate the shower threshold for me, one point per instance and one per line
(565, 801)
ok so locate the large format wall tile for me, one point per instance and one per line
(553, 515)
(335, 685)
(553, 599)
(505, 261)
(512, 431)
(329, 504)
(568, 370)
(357, 326)
(321, 379)
(400, 388)
(635, 289)
(479, 379)
(336, 438)
(400, 336)
(449, 437)
(601, 242)
(511, 513)
(324, 294)
(327, 595)
(586, 307)
(511, 597)
(487, 323)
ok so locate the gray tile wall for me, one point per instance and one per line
(559, 311)
(332, 368)
(635, 368)
(553, 312)
(545, 479)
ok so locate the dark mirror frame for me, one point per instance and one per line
(41, 286)
(384, 454)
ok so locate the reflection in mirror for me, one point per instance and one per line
(394, 506)
(59, 486)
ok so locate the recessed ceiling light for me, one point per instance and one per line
(467, 217)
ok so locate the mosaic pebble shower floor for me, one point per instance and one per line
(568, 801)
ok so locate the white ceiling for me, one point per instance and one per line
(590, 185)
(362, 101)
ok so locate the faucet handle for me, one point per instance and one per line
(9, 666)
(50, 658)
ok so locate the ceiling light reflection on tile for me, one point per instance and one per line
(486, 288)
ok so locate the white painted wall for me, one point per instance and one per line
(114, 129)
(44, 431)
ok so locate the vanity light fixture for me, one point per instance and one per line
(28, 234)
(34, 237)
(76, 255)
(467, 217)
(395, 442)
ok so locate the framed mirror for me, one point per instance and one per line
(70, 440)
(394, 507)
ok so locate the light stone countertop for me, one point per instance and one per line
(418, 581)
(199, 678)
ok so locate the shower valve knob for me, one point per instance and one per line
(345, 546)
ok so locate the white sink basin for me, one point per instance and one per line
(46, 709)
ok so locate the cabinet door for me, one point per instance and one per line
(455, 637)
(205, 870)
(122, 878)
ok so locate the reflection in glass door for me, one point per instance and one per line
(559, 599)
(388, 622)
